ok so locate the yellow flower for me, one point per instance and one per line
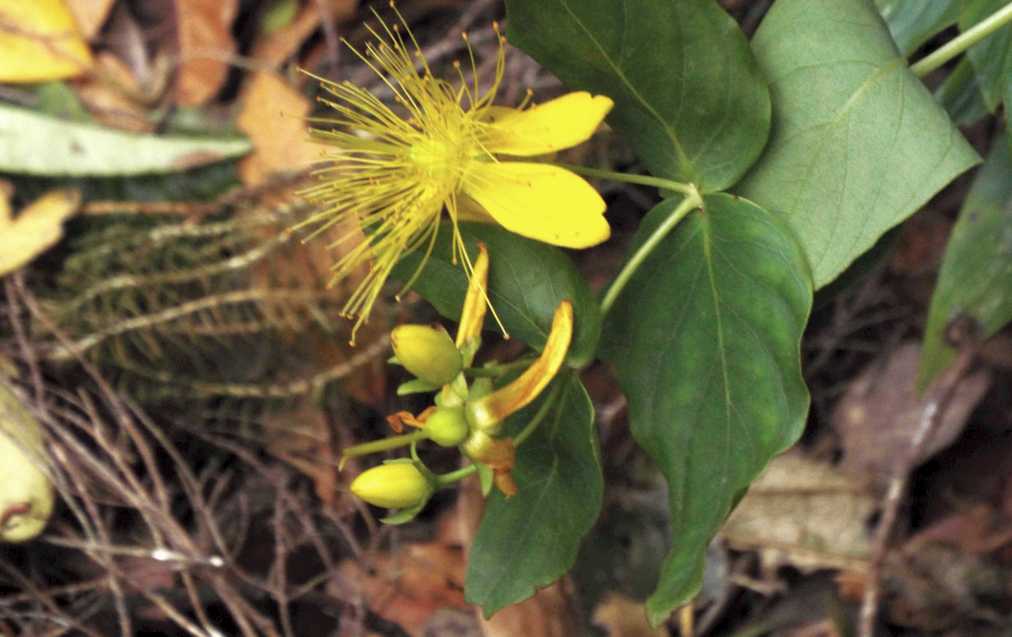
(395, 168)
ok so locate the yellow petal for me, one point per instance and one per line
(561, 123)
(487, 412)
(472, 315)
(38, 227)
(539, 201)
(40, 41)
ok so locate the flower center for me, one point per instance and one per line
(438, 159)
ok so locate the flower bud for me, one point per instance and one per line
(446, 426)
(427, 352)
(26, 494)
(394, 485)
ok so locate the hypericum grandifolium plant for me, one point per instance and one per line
(777, 162)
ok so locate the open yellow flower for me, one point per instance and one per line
(441, 146)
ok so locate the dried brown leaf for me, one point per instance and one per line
(803, 513)
(878, 414)
(90, 15)
(205, 46)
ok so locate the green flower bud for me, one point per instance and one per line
(427, 352)
(26, 494)
(394, 485)
(446, 426)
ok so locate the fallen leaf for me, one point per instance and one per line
(879, 412)
(273, 115)
(110, 96)
(40, 41)
(621, 616)
(548, 614)
(277, 46)
(205, 46)
(37, 228)
(90, 15)
(39, 145)
(409, 586)
(803, 513)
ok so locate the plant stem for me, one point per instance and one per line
(383, 444)
(692, 201)
(538, 417)
(964, 41)
(643, 180)
(448, 479)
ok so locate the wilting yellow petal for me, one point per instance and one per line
(561, 123)
(487, 412)
(472, 315)
(539, 201)
(38, 227)
(40, 41)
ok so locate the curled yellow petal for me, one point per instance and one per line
(487, 412)
(539, 201)
(561, 123)
(36, 228)
(472, 315)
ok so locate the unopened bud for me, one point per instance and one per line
(394, 485)
(427, 352)
(26, 494)
(447, 426)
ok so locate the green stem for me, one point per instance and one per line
(538, 417)
(642, 180)
(495, 371)
(692, 201)
(447, 479)
(383, 444)
(964, 41)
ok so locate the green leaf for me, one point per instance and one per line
(527, 280)
(39, 145)
(532, 539)
(976, 275)
(859, 144)
(705, 340)
(688, 94)
(992, 57)
(912, 22)
(960, 95)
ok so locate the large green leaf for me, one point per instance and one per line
(706, 343)
(858, 143)
(992, 58)
(688, 94)
(527, 280)
(912, 22)
(976, 276)
(532, 539)
(35, 144)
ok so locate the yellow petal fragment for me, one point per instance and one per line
(561, 123)
(539, 201)
(40, 41)
(472, 315)
(487, 412)
(38, 227)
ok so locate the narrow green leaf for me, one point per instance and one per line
(912, 22)
(992, 58)
(705, 340)
(532, 539)
(688, 94)
(36, 144)
(527, 280)
(976, 275)
(859, 143)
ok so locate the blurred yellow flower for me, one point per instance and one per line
(395, 168)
